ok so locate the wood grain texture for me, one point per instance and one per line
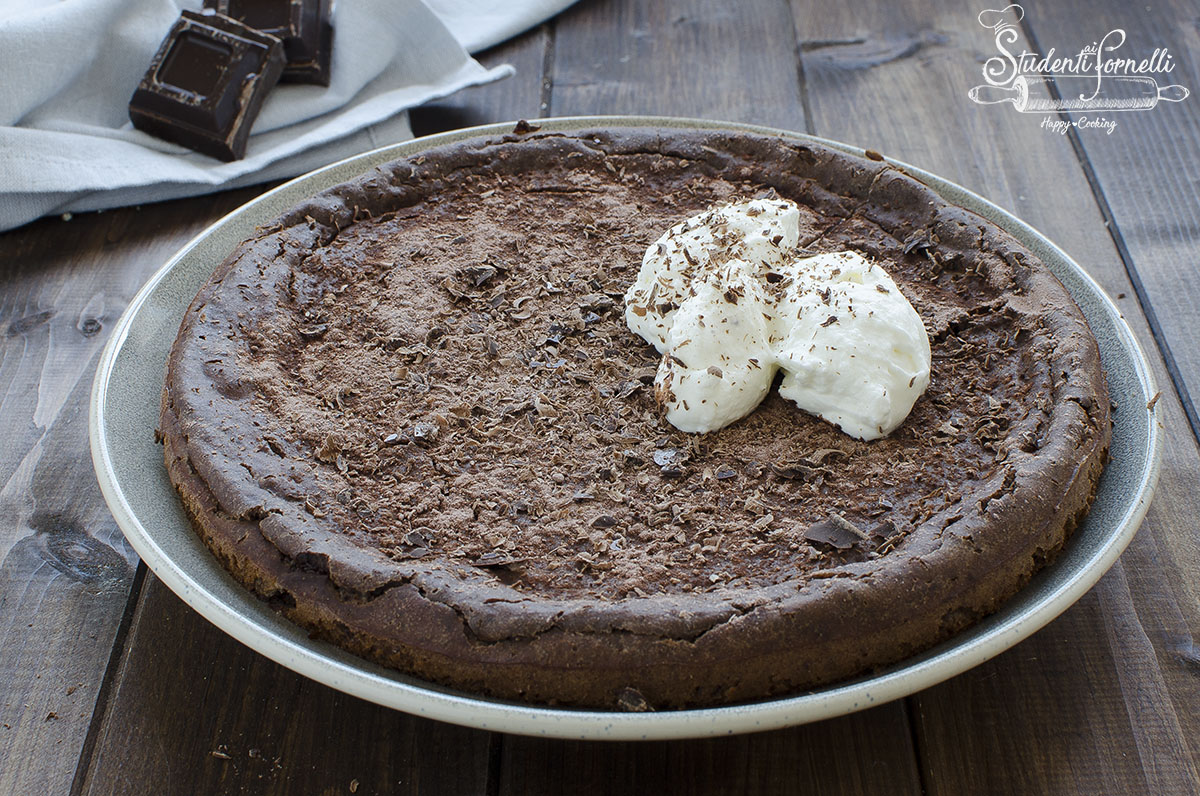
(195, 712)
(1146, 168)
(190, 690)
(701, 58)
(866, 753)
(1104, 700)
(1047, 716)
(65, 568)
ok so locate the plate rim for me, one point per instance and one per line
(538, 720)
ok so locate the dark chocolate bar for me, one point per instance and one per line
(207, 83)
(303, 25)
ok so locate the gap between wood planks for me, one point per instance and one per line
(115, 658)
(1114, 231)
(863, 76)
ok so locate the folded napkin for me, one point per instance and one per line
(70, 67)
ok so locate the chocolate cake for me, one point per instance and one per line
(410, 415)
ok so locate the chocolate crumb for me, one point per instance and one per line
(918, 241)
(666, 456)
(310, 332)
(835, 531)
(496, 559)
(479, 275)
(425, 432)
(632, 701)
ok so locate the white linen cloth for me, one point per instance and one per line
(68, 69)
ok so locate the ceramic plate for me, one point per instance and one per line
(124, 414)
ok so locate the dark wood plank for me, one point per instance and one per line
(65, 568)
(199, 692)
(195, 712)
(1102, 700)
(1146, 168)
(517, 97)
(866, 753)
(701, 58)
(1082, 707)
(1049, 716)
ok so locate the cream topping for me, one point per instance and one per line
(727, 299)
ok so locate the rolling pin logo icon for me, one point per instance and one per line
(1079, 93)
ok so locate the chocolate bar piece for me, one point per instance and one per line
(303, 25)
(207, 83)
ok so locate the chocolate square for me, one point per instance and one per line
(207, 83)
(303, 25)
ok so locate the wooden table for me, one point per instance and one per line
(110, 684)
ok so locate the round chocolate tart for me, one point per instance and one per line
(410, 415)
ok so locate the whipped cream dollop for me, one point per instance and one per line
(727, 300)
